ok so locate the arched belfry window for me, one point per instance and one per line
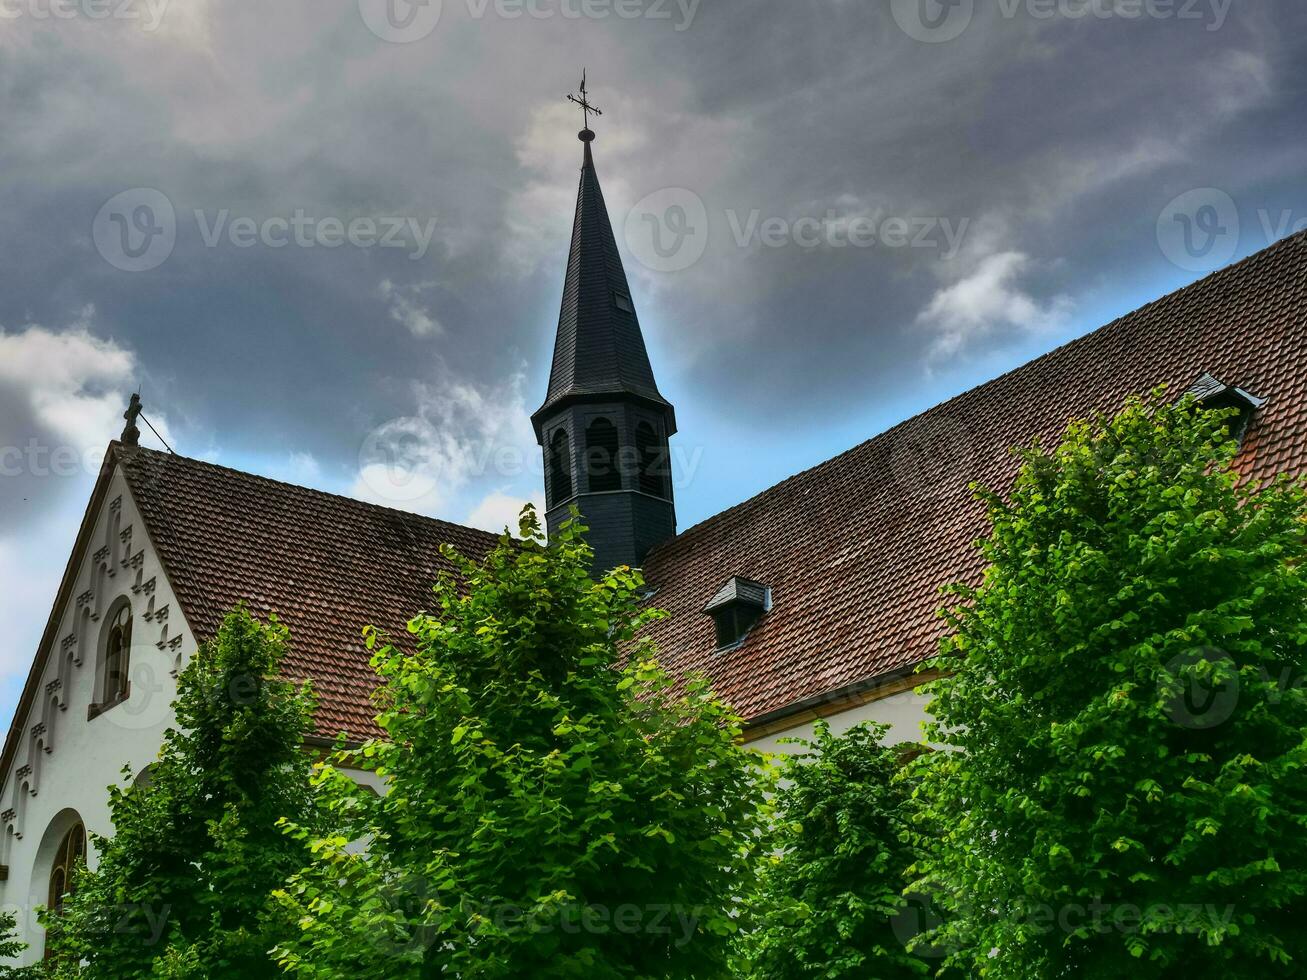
(652, 454)
(601, 463)
(72, 849)
(117, 657)
(560, 467)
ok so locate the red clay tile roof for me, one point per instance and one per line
(856, 549)
(326, 565)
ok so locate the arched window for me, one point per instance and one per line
(144, 778)
(653, 460)
(560, 467)
(72, 848)
(601, 456)
(117, 656)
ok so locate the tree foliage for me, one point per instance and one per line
(183, 887)
(11, 947)
(1129, 798)
(830, 899)
(553, 809)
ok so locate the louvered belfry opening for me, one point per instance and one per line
(560, 466)
(602, 467)
(653, 461)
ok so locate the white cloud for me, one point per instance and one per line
(300, 468)
(986, 299)
(499, 510)
(460, 433)
(65, 387)
(62, 396)
(405, 309)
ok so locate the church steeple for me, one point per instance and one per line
(604, 425)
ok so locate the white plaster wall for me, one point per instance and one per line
(903, 712)
(70, 780)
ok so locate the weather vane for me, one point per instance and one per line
(586, 107)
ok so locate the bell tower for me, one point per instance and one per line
(604, 426)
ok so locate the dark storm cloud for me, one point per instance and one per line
(1028, 160)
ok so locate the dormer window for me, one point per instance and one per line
(623, 302)
(735, 609)
(1212, 393)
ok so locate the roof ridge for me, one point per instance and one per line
(939, 407)
(128, 451)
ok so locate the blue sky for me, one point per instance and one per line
(327, 238)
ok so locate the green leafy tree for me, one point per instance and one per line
(553, 809)
(1129, 797)
(183, 888)
(11, 947)
(830, 900)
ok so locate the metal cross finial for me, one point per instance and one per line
(131, 434)
(586, 107)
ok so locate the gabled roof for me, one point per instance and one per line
(855, 550)
(599, 350)
(326, 565)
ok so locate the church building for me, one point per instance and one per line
(815, 598)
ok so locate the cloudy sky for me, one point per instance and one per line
(326, 237)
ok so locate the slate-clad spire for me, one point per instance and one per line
(599, 350)
(604, 425)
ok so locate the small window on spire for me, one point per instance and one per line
(623, 302)
(736, 608)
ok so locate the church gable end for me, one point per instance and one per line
(99, 694)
